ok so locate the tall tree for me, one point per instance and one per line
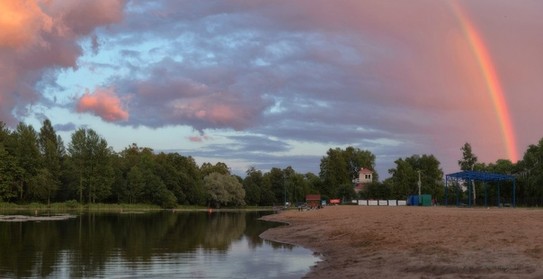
(339, 167)
(91, 156)
(8, 175)
(219, 167)
(403, 179)
(223, 190)
(52, 151)
(275, 182)
(4, 133)
(8, 166)
(252, 184)
(468, 162)
(357, 159)
(405, 176)
(530, 174)
(468, 158)
(133, 192)
(28, 158)
(191, 180)
(334, 171)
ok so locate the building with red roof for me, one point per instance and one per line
(365, 176)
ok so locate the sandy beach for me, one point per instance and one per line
(417, 242)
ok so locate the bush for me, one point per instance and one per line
(168, 199)
(72, 204)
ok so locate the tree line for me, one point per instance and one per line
(36, 166)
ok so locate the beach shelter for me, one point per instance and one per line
(479, 176)
(313, 201)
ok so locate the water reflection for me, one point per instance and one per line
(149, 245)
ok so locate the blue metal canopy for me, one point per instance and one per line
(480, 176)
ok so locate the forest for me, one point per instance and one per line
(37, 167)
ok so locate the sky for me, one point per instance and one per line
(267, 84)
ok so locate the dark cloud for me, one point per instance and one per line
(66, 127)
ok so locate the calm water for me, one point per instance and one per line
(148, 245)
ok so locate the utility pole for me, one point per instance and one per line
(419, 183)
(473, 187)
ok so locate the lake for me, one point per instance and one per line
(160, 244)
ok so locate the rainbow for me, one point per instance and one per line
(492, 81)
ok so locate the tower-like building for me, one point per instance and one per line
(365, 176)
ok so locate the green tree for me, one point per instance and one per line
(223, 190)
(357, 159)
(299, 186)
(274, 182)
(171, 175)
(52, 151)
(469, 163)
(219, 167)
(91, 156)
(43, 186)
(531, 173)
(252, 184)
(28, 159)
(334, 171)
(468, 158)
(313, 183)
(404, 178)
(5, 133)
(267, 195)
(135, 184)
(376, 190)
(501, 166)
(160, 179)
(190, 179)
(8, 175)
(129, 181)
(339, 167)
(346, 192)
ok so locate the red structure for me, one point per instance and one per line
(313, 201)
(335, 201)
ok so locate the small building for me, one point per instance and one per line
(365, 176)
(313, 201)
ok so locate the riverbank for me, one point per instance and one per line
(416, 242)
(124, 207)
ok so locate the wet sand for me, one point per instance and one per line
(417, 242)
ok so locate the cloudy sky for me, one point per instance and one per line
(276, 83)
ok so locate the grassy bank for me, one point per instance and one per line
(75, 206)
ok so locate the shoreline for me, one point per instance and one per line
(416, 242)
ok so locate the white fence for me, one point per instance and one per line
(380, 202)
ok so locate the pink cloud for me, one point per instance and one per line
(216, 111)
(40, 35)
(199, 138)
(20, 22)
(103, 103)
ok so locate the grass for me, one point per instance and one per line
(73, 205)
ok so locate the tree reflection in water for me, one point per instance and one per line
(106, 244)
